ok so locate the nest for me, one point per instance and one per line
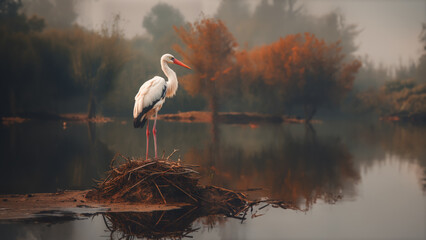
(162, 181)
(148, 181)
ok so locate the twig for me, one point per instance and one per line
(160, 192)
(137, 168)
(115, 157)
(162, 214)
(106, 223)
(180, 188)
(174, 151)
(264, 206)
(126, 191)
(188, 212)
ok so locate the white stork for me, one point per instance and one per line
(152, 95)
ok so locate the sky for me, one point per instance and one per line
(389, 28)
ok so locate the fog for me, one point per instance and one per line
(275, 55)
(389, 29)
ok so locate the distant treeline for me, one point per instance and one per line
(275, 59)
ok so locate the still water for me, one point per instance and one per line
(351, 180)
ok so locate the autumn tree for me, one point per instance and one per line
(209, 50)
(305, 71)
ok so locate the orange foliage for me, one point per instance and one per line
(209, 51)
(299, 69)
(307, 70)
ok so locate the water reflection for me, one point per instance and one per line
(288, 162)
(44, 157)
(296, 169)
(406, 141)
(174, 224)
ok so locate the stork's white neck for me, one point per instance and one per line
(172, 83)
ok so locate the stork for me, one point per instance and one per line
(152, 95)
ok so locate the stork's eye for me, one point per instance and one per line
(172, 58)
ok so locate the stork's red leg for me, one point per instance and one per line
(147, 138)
(154, 131)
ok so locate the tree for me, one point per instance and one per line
(97, 59)
(236, 15)
(271, 20)
(160, 20)
(305, 71)
(421, 68)
(13, 20)
(209, 50)
(159, 23)
(57, 13)
(18, 61)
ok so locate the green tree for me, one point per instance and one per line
(159, 23)
(237, 17)
(57, 13)
(97, 59)
(421, 69)
(18, 61)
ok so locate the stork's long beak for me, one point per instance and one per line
(175, 61)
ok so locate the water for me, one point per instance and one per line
(351, 180)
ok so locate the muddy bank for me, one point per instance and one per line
(231, 117)
(417, 118)
(19, 207)
(68, 117)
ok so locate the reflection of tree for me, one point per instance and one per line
(404, 140)
(42, 157)
(298, 170)
(314, 168)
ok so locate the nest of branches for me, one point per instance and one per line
(149, 181)
(162, 181)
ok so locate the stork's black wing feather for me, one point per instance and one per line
(140, 121)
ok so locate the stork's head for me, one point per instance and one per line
(170, 59)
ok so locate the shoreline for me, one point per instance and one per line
(33, 206)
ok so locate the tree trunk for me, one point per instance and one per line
(214, 108)
(91, 109)
(310, 110)
(214, 105)
(12, 102)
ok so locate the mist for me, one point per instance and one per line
(383, 25)
(137, 33)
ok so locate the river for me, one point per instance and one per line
(350, 180)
